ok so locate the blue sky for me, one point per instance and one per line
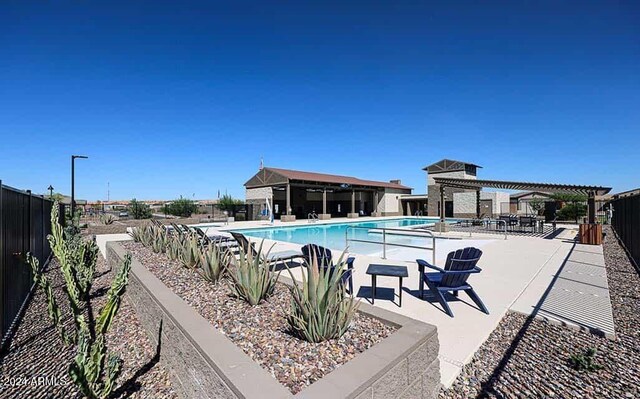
(184, 98)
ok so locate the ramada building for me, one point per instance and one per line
(294, 194)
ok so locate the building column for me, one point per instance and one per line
(442, 208)
(353, 213)
(376, 199)
(288, 217)
(478, 204)
(324, 201)
(324, 215)
(353, 201)
(288, 199)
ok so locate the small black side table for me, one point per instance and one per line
(386, 270)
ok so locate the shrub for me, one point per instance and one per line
(182, 207)
(159, 239)
(320, 308)
(585, 361)
(572, 212)
(228, 203)
(139, 210)
(251, 277)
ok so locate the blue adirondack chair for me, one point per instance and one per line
(453, 277)
(323, 258)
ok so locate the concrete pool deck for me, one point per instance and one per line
(516, 273)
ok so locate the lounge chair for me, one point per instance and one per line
(322, 257)
(453, 277)
(275, 257)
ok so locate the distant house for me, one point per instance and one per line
(520, 202)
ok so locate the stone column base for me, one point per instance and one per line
(324, 216)
(441, 227)
(288, 218)
(353, 215)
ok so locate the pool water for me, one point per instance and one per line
(333, 235)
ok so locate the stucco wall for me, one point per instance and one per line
(390, 202)
(464, 203)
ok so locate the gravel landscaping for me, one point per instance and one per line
(526, 357)
(261, 331)
(35, 365)
(95, 226)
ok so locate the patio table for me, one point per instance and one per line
(386, 270)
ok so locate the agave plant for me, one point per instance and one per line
(213, 262)
(174, 246)
(251, 277)
(159, 239)
(190, 252)
(142, 234)
(107, 218)
(320, 308)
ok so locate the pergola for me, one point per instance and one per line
(468, 184)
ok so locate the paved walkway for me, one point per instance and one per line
(577, 295)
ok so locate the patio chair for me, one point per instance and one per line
(275, 257)
(322, 256)
(453, 277)
(527, 221)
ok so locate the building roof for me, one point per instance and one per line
(513, 185)
(448, 165)
(269, 176)
(525, 193)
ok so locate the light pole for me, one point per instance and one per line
(50, 188)
(73, 183)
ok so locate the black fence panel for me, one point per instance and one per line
(626, 223)
(24, 226)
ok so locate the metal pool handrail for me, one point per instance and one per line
(394, 232)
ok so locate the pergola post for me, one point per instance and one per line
(478, 204)
(442, 226)
(591, 205)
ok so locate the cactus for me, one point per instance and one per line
(94, 370)
(52, 305)
(251, 277)
(320, 309)
(213, 262)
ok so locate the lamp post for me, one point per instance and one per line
(73, 183)
(50, 188)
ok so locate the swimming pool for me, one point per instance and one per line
(332, 235)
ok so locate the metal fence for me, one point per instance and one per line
(24, 226)
(626, 223)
